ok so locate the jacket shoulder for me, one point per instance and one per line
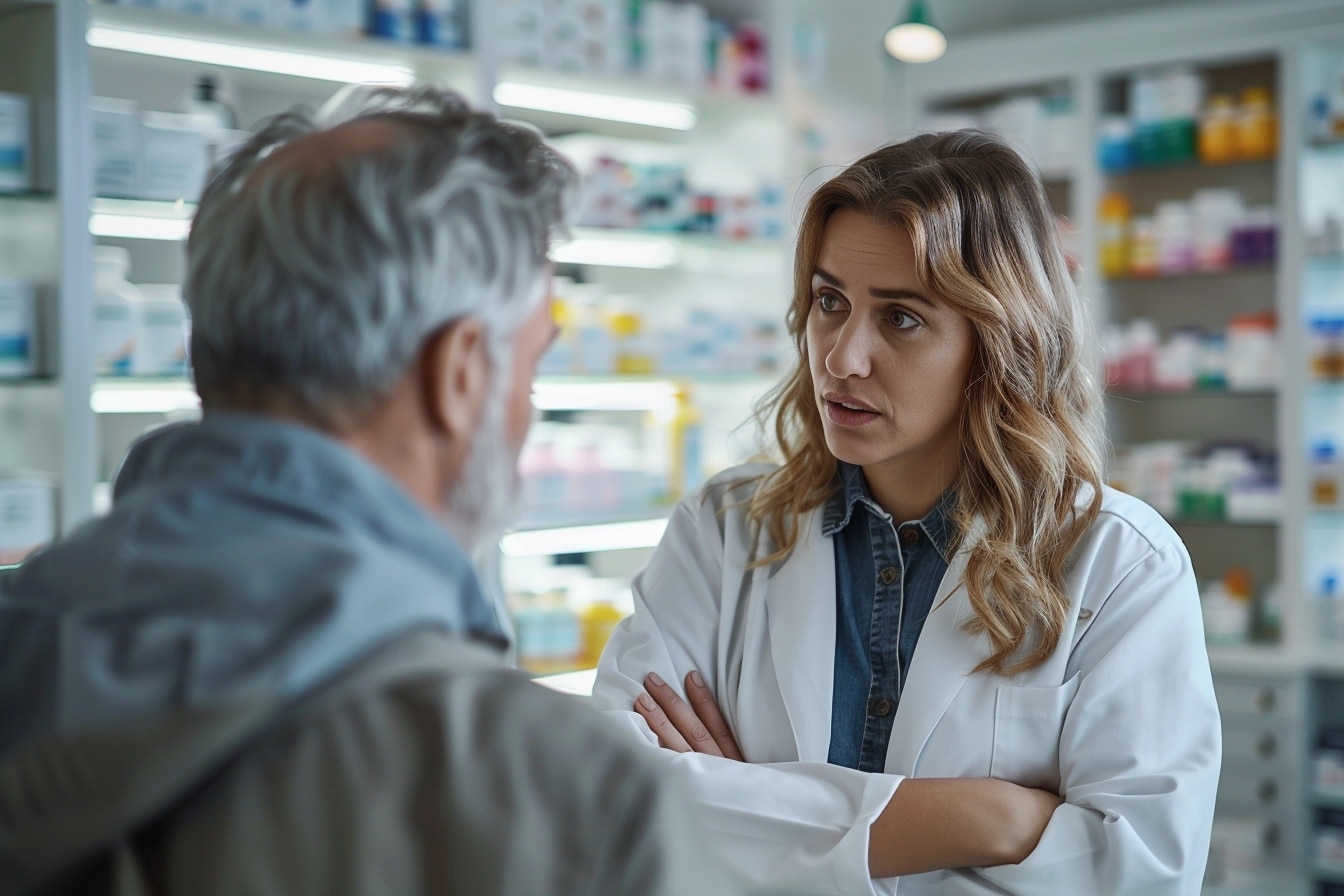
(1123, 516)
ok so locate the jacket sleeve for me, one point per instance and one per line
(1140, 748)
(781, 824)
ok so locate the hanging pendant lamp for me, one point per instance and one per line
(914, 39)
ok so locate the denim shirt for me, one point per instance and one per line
(886, 577)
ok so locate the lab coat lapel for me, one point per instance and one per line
(800, 615)
(944, 657)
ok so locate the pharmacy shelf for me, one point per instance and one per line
(578, 682)
(135, 395)
(1245, 270)
(144, 219)
(657, 250)
(619, 535)
(257, 56)
(1266, 522)
(1149, 394)
(26, 196)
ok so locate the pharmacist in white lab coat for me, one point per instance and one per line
(930, 652)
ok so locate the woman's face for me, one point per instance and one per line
(889, 360)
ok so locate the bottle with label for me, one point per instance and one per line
(1326, 473)
(115, 311)
(18, 328)
(1257, 125)
(686, 467)
(1113, 223)
(1226, 606)
(1218, 131)
(205, 104)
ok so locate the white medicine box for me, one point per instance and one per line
(15, 148)
(174, 157)
(116, 147)
(27, 514)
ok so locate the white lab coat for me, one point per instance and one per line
(1121, 718)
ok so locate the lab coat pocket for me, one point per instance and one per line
(1027, 726)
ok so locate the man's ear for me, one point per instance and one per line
(455, 374)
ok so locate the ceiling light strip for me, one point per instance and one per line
(582, 539)
(588, 104)
(261, 59)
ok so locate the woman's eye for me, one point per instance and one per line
(828, 302)
(903, 320)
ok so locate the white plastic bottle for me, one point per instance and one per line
(161, 331)
(114, 312)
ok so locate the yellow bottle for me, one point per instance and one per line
(1218, 131)
(632, 357)
(1257, 126)
(597, 621)
(686, 468)
(1113, 228)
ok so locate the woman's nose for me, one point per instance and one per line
(852, 353)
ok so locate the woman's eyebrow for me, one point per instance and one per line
(890, 294)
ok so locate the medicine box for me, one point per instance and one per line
(116, 147)
(27, 514)
(174, 157)
(18, 328)
(15, 149)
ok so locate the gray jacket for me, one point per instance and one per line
(267, 671)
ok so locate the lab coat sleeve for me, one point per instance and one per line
(1140, 748)
(782, 827)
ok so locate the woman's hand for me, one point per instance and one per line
(696, 726)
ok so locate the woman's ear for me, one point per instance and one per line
(455, 373)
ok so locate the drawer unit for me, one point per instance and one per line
(1261, 784)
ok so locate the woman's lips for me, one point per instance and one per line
(848, 415)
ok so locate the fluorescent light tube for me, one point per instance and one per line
(581, 539)
(638, 395)
(640, 252)
(587, 104)
(261, 59)
(139, 227)
(143, 398)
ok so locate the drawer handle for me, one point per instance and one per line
(1265, 699)
(1270, 836)
(1266, 745)
(1268, 791)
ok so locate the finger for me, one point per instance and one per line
(668, 736)
(707, 708)
(680, 714)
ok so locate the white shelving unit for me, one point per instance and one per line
(62, 52)
(1274, 696)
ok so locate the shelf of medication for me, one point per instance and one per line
(333, 51)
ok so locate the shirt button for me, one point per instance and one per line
(887, 575)
(882, 706)
(911, 535)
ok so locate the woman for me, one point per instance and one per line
(931, 623)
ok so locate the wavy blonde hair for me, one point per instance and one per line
(986, 243)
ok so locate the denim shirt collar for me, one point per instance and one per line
(853, 492)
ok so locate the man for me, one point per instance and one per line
(271, 669)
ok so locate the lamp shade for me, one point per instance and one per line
(914, 39)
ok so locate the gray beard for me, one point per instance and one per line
(483, 501)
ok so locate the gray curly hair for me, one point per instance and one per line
(317, 284)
